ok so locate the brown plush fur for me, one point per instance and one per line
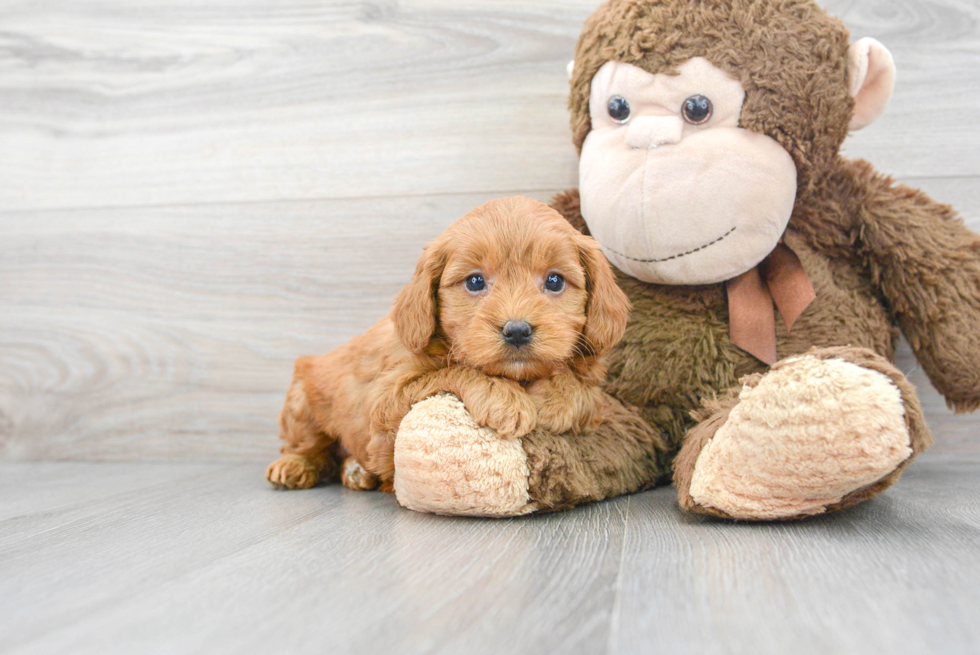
(789, 55)
(882, 257)
(687, 326)
(566, 470)
(440, 337)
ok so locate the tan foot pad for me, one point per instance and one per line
(446, 464)
(810, 432)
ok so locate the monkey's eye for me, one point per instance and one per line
(619, 109)
(696, 110)
(554, 282)
(475, 283)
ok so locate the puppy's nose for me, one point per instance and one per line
(517, 333)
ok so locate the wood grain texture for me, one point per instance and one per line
(898, 574)
(112, 103)
(936, 46)
(206, 558)
(160, 264)
(169, 333)
(220, 562)
(134, 103)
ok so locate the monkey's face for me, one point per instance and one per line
(671, 187)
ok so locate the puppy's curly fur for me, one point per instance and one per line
(446, 333)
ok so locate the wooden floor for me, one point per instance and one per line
(205, 558)
(193, 194)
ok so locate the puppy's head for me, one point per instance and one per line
(512, 289)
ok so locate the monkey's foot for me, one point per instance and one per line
(293, 472)
(816, 433)
(447, 464)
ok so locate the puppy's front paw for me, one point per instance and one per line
(508, 410)
(293, 472)
(565, 403)
(558, 420)
(556, 414)
(515, 422)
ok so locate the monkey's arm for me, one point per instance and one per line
(926, 264)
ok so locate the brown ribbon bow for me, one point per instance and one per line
(780, 280)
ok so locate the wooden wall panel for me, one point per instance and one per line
(169, 333)
(112, 103)
(193, 195)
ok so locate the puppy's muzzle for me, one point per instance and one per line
(517, 333)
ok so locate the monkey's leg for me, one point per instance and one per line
(816, 433)
(446, 464)
(305, 450)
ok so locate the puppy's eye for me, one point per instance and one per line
(554, 282)
(619, 109)
(475, 283)
(697, 110)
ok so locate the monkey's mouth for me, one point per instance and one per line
(667, 259)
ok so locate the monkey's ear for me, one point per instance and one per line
(570, 69)
(607, 308)
(870, 80)
(414, 311)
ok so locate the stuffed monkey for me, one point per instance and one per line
(769, 276)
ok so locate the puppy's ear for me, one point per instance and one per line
(608, 308)
(415, 310)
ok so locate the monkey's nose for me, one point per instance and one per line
(517, 333)
(651, 131)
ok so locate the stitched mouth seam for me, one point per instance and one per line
(677, 256)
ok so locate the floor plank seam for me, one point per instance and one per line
(913, 179)
(612, 644)
(284, 201)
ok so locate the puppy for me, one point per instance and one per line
(510, 309)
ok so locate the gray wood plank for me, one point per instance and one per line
(109, 103)
(896, 575)
(59, 567)
(936, 46)
(130, 103)
(55, 488)
(224, 564)
(209, 559)
(169, 333)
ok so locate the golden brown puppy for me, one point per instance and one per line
(510, 309)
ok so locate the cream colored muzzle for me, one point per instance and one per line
(647, 132)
